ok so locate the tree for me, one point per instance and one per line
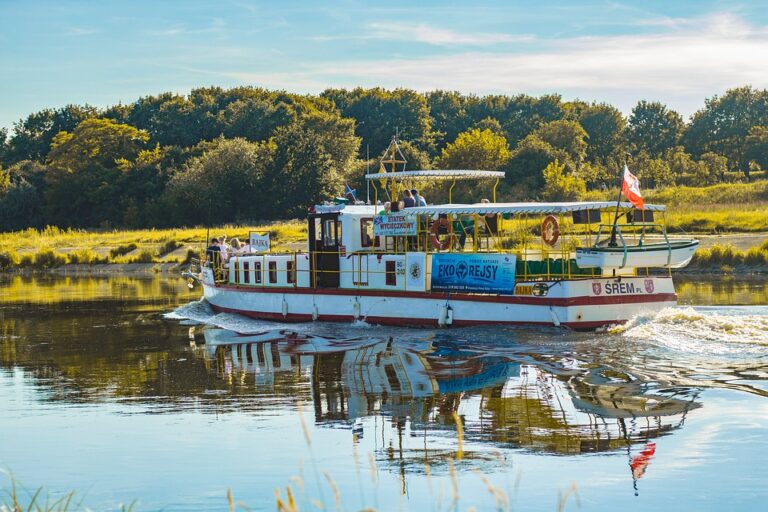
(311, 159)
(448, 116)
(518, 115)
(653, 172)
(561, 186)
(4, 147)
(476, 149)
(756, 146)
(224, 184)
(254, 119)
(604, 126)
(723, 125)
(711, 169)
(379, 114)
(33, 136)
(681, 164)
(84, 169)
(528, 161)
(491, 124)
(653, 128)
(102, 142)
(566, 136)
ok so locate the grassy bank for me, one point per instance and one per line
(53, 247)
(728, 207)
(727, 259)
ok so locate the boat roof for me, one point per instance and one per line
(360, 209)
(436, 175)
(535, 208)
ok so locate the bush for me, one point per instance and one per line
(8, 260)
(191, 255)
(86, 257)
(122, 250)
(167, 247)
(144, 256)
(49, 259)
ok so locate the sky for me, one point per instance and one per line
(53, 53)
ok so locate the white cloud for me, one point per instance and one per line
(424, 33)
(80, 31)
(680, 66)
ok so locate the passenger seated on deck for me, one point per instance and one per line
(464, 225)
(408, 200)
(491, 220)
(387, 208)
(236, 248)
(420, 200)
(224, 246)
(213, 253)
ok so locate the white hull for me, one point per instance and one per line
(579, 304)
(671, 257)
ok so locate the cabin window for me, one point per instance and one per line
(290, 272)
(367, 238)
(247, 272)
(256, 272)
(272, 272)
(390, 272)
(329, 232)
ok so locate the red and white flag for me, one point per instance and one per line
(630, 187)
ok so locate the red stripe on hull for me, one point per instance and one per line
(404, 322)
(584, 300)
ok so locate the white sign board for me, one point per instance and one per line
(259, 242)
(394, 224)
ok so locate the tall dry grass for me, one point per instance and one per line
(51, 247)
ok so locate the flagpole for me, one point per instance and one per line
(612, 242)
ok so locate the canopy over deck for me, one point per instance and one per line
(532, 208)
(436, 175)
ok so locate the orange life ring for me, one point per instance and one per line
(436, 243)
(550, 230)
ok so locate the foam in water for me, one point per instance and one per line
(201, 312)
(685, 327)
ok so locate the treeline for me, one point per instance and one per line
(245, 154)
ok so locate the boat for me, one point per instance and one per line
(616, 253)
(537, 263)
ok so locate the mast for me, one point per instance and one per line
(391, 157)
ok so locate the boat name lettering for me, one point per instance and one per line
(621, 288)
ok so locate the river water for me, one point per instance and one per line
(128, 388)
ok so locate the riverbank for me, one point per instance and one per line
(142, 251)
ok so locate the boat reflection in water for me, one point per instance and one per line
(508, 397)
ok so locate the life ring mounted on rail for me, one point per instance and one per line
(550, 230)
(435, 230)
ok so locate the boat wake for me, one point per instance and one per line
(703, 329)
(200, 312)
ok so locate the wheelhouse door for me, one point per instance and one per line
(325, 240)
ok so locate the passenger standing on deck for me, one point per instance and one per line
(420, 200)
(408, 200)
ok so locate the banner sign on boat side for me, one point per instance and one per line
(394, 224)
(259, 242)
(484, 273)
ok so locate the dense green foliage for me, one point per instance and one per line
(247, 154)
